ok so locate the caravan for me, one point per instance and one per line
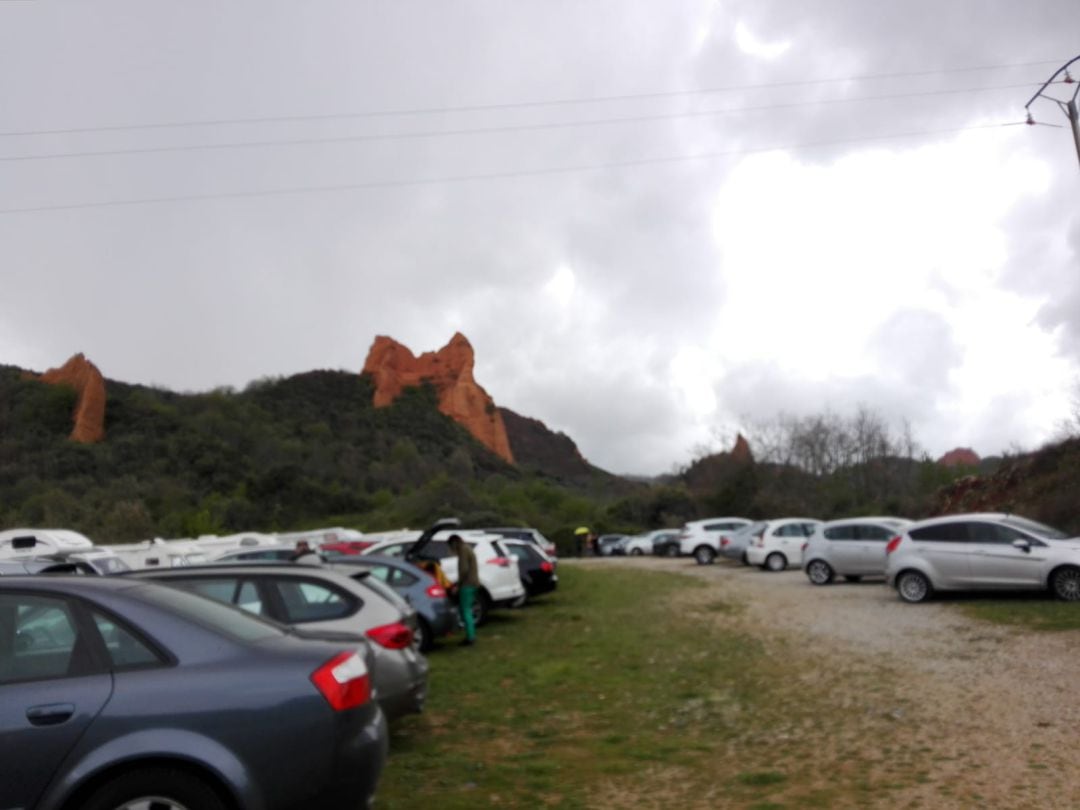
(58, 544)
(158, 553)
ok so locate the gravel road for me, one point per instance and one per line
(992, 711)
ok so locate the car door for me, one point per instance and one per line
(789, 538)
(945, 548)
(52, 686)
(997, 563)
(872, 540)
(844, 553)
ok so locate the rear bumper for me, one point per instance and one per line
(755, 555)
(401, 677)
(359, 763)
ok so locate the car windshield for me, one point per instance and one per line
(1040, 530)
(225, 620)
(110, 565)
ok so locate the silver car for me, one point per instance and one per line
(733, 545)
(317, 598)
(989, 551)
(853, 548)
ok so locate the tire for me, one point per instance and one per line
(671, 551)
(913, 587)
(481, 607)
(154, 789)
(636, 552)
(853, 579)
(775, 562)
(819, 572)
(1065, 584)
(427, 638)
(703, 555)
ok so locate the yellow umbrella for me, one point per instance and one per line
(581, 530)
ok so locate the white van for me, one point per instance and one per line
(158, 553)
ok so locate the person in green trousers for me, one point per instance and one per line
(467, 584)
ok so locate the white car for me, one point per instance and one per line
(534, 536)
(852, 548)
(983, 551)
(701, 538)
(500, 580)
(780, 543)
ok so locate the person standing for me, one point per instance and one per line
(467, 584)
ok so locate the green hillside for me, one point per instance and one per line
(284, 453)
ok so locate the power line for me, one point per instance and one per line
(506, 175)
(502, 129)
(521, 104)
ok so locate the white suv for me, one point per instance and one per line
(701, 538)
(780, 543)
(500, 581)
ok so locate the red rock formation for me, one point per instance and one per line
(960, 457)
(84, 377)
(450, 370)
(741, 450)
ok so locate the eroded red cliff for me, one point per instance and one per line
(960, 457)
(83, 376)
(450, 370)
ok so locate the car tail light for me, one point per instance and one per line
(724, 542)
(344, 681)
(892, 545)
(546, 567)
(502, 562)
(394, 636)
(436, 591)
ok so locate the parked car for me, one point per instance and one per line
(611, 545)
(780, 543)
(640, 544)
(733, 544)
(984, 551)
(264, 554)
(121, 694)
(436, 615)
(853, 548)
(667, 546)
(500, 582)
(701, 538)
(14, 568)
(533, 536)
(536, 568)
(314, 597)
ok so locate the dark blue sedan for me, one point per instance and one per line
(118, 693)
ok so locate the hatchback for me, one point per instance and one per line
(987, 551)
(537, 568)
(780, 543)
(120, 693)
(701, 538)
(852, 548)
(315, 597)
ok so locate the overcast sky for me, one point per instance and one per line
(861, 230)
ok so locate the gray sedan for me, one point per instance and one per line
(119, 693)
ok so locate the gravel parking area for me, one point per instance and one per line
(985, 716)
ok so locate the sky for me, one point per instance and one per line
(655, 221)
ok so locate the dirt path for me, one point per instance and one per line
(957, 712)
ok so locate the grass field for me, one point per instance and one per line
(631, 689)
(1029, 611)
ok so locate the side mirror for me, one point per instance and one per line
(1023, 545)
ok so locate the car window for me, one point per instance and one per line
(382, 572)
(1037, 529)
(125, 649)
(309, 601)
(394, 549)
(220, 589)
(39, 639)
(982, 532)
(880, 534)
(401, 579)
(210, 613)
(790, 530)
(841, 533)
(941, 532)
(521, 552)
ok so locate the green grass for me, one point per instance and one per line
(630, 688)
(1040, 613)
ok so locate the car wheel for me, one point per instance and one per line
(853, 579)
(819, 572)
(481, 606)
(913, 587)
(427, 637)
(671, 551)
(636, 552)
(154, 789)
(1065, 583)
(703, 555)
(775, 562)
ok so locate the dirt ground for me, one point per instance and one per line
(942, 709)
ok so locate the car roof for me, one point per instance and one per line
(962, 517)
(870, 519)
(70, 583)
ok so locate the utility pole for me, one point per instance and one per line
(1068, 106)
